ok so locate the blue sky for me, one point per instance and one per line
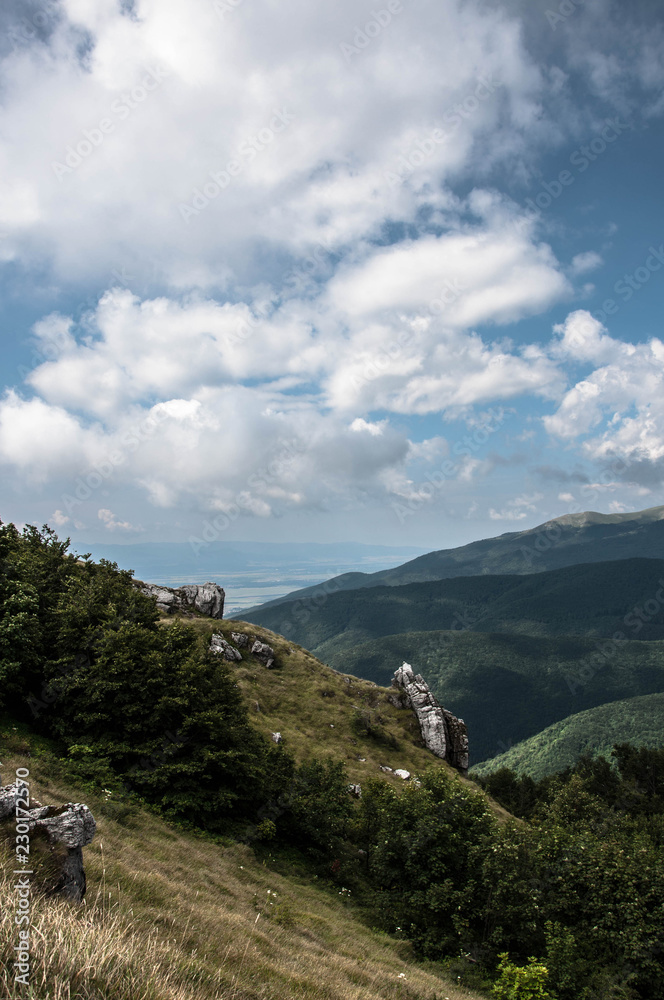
(277, 271)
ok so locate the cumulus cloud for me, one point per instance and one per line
(621, 400)
(76, 123)
(289, 269)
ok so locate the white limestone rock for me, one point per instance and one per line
(443, 734)
(71, 826)
(224, 648)
(206, 598)
(264, 653)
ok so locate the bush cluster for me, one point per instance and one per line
(564, 902)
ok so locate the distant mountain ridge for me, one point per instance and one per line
(639, 721)
(591, 599)
(564, 541)
(508, 688)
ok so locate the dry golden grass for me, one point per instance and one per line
(172, 916)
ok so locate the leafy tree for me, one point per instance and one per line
(420, 850)
(318, 806)
(33, 569)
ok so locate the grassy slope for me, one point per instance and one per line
(564, 541)
(170, 916)
(313, 707)
(589, 599)
(510, 687)
(639, 721)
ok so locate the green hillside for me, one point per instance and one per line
(172, 915)
(317, 709)
(639, 721)
(589, 599)
(237, 866)
(509, 687)
(564, 541)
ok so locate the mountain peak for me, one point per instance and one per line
(587, 517)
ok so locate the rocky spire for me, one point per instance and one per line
(443, 734)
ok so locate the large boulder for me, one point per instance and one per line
(443, 734)
(57, 835)
(206, 598)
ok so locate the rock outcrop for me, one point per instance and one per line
(206, 598)
(264, 653)
(261, 650)
(66, 829)
(224, 648)
(443, 734)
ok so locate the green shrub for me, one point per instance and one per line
(519, 982)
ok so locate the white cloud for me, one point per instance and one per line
(159, 80)
(467, 278)
(113, 523)
(584, 338)
(41, 442)
(271, 345)
(584, 262)
(616, 507)
(622, 399)
(507, 515)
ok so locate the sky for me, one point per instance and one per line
(383, 272)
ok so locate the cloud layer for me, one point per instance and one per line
(304, 244)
